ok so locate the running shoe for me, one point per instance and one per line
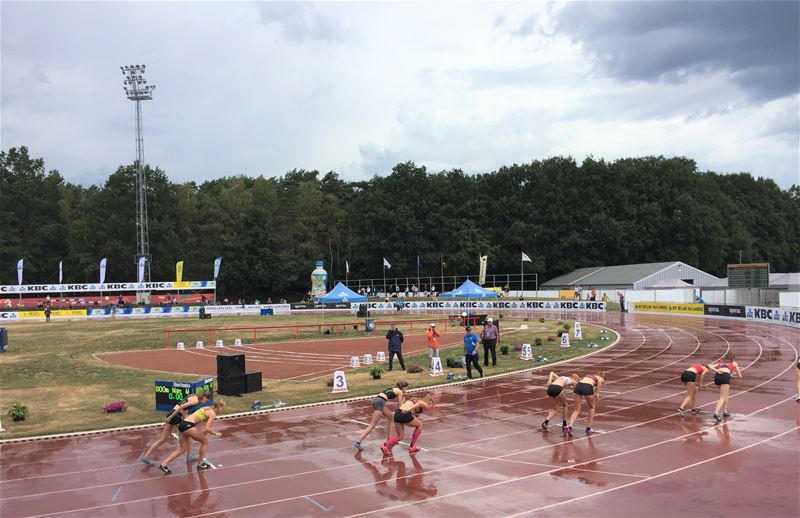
(145, 460)
(203, 466)
(681, 411)
(695, 410)
(385, 449)
(717, 418)
(192, 458)
(413, 449)
(797, 398)
(569, 431)
(726, 414)
(544, 426)
(588, 430)
(358, 446)
(165, 470)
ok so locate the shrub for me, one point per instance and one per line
(518, 347)
(503, 349)
(329, 381)
(551, 338)
(538, 341)
(541, 320)
(376, 369)
(414, 369)
(18, 412)
(566, 327)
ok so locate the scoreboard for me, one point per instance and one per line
(170, 393)
(748, 275)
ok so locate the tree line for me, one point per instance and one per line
(270, 231)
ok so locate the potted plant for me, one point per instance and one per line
(541, 319)
(538, 341)
(504, 349)
(18, 412)
(376, 372)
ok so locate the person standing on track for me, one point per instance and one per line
(587, 388)
(689, 377)
(187, 429)
(395, 345)
(379, 410)
(489, 337)
(471, 341)
(178, 414)
(722, 379)
(434, 340)
(555, 386)
(797, 397)
(407, 415)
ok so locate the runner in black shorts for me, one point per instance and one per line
(587, 388)
(555, 390)
(379, 410)
(722, 379)
(174, 419)
(689, 377)
(407, 415)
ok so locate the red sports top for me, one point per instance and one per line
(699, 368)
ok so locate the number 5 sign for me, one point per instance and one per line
(339, 382)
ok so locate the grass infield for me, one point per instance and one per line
(50, 368)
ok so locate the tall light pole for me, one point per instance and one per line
(137, 90)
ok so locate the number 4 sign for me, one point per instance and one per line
(436, 366)
(339, 382)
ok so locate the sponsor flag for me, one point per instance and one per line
(60, 272)
(142, 260)
(19, 272)
(217, 262)
(179, 271)
(386, 263)
(525, 258)
(482, 272)
(102, 270)
(346, 266)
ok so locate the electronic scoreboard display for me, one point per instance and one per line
(170, 393)
(748, 275)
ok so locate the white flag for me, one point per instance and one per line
(142, 260)
(346, 266)
(60, 272)
(217, 263)
(386, 263)
(525, 257)
(19, 272)
(102, 270)
(482, 269)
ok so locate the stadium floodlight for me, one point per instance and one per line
(137, 90)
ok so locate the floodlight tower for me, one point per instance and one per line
(137, 90)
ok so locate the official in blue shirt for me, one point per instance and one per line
(471, 342)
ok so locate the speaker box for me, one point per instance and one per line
(253, 381)
(230, 365)
(232, 385)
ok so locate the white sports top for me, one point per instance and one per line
(567, 380)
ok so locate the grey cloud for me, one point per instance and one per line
(300, 21)
(758, 43)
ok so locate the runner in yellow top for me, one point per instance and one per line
(188, 430)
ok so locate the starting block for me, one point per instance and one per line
(238, 341)
(367, 359)
(380, 356)
(526, 352)
(199, 345)
(354, 362)
(180, 346)
(220, 343)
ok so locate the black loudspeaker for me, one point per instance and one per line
(230, 365)
(253, 383)
(232, 385)
(362, 311)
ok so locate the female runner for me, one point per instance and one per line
(797, 398)
(722, 379)
(187, 430)
(178, 414)
(555, 387)
(587, 388)
(407, 415)
(379, 410)
(689, 377)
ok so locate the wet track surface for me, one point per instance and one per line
(484, 453)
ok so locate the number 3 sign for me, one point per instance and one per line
(339, 382)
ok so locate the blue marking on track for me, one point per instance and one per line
(119, 489)
(319, 504)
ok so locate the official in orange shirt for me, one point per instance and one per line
(434, 341)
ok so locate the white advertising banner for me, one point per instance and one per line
(784, 316)
(91, 287)
(532, 305)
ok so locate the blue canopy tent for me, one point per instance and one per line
(342, 293)
(469, 290)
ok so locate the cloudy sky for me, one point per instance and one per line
(262, 88)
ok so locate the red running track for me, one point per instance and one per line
(484, 453)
